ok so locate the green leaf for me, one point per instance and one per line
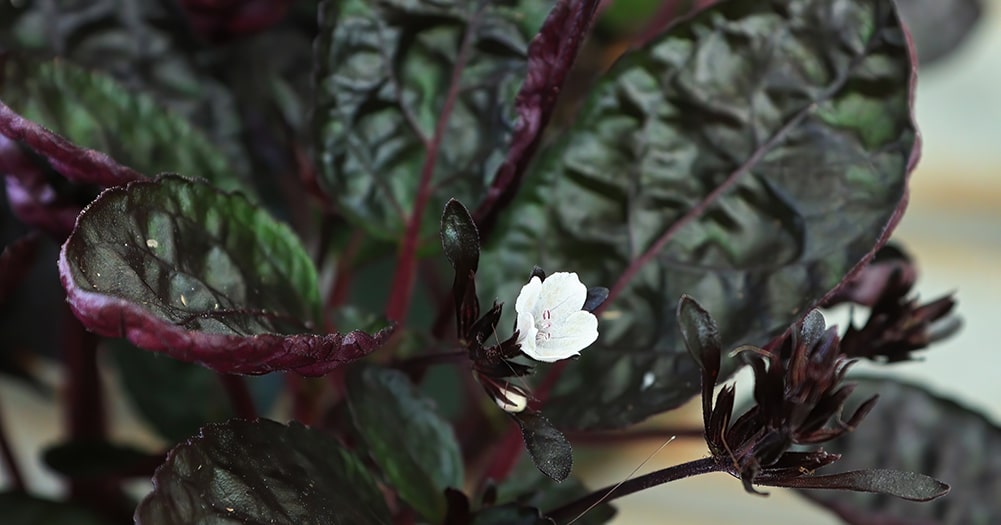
(174, 397)
(406, 437)
(22, 509)
(922, 433)
(262, 472)
(385, 117)
(750, 158)
(204, 276)
(93, 111)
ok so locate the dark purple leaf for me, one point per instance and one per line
(147, 46)
(406, 437)
(91, 110)
(75, 163)
(262, 472)
(551, 56)
(414, 102)
(914, 431)
(179, 267)
(547, 446)
(752, 157)
(22, 509)
(15, 261)
(905, 485)
(939, 27)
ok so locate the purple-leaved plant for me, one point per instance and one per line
(241, 200)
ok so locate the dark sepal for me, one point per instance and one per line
(701, 336)
(460, 241)
(596, 296)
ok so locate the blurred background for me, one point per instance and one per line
(952, 228)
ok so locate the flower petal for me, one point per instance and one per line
(527, 332)
(529, 296)
(567, 338)
(562, 294)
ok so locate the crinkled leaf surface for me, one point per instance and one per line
(174, 397)
(406, 437)
(22, 509)
(179, 267)
(918, 432)
(146, 45)
(750, 158)
(384, 74)
(262, 472)
(939, 27)
(93, 111)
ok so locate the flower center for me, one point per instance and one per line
(544, 325)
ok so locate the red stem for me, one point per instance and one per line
(571, 511)
(239, 396)
(86, 418)
(10, 462)
(699, 209)
(342, 281)
(403, 280)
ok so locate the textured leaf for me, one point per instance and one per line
(145, 45)
(551, 56)
(73, 162)
(918, 432)
(384, 72)
(750, 158)
(939, 27)
(174, 397)
(179, 267)
(547, 446)
(22, 509)
(93, 111)
(262, 472)
(406, 437)
(415, 89)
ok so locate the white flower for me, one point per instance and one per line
(551, 325)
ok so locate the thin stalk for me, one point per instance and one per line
(403, 279)
(239, 396)
(573, 510)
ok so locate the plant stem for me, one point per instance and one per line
(403, 280)
(10, 462)
(239, 396)
(85, 414)
(571, 511)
